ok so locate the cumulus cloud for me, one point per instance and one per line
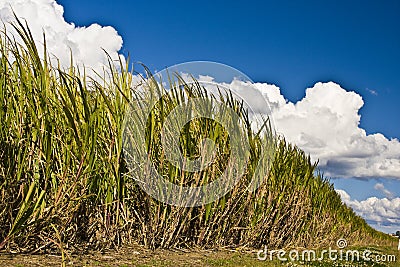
(380, 212)
(325, 124)
(85, 43)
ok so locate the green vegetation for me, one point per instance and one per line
(65, 185)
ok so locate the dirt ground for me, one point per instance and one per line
(139, 256)
(135, 256)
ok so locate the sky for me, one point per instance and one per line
(330, 68)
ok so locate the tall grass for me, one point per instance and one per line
(65, 182)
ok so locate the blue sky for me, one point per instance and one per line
(291, 44)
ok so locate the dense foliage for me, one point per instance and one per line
(64, 182)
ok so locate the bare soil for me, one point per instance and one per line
(134, 256)
(139, 256)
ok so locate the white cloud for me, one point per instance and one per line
(380, 187)
(380, 212)
(325, 124)
(85, 43)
